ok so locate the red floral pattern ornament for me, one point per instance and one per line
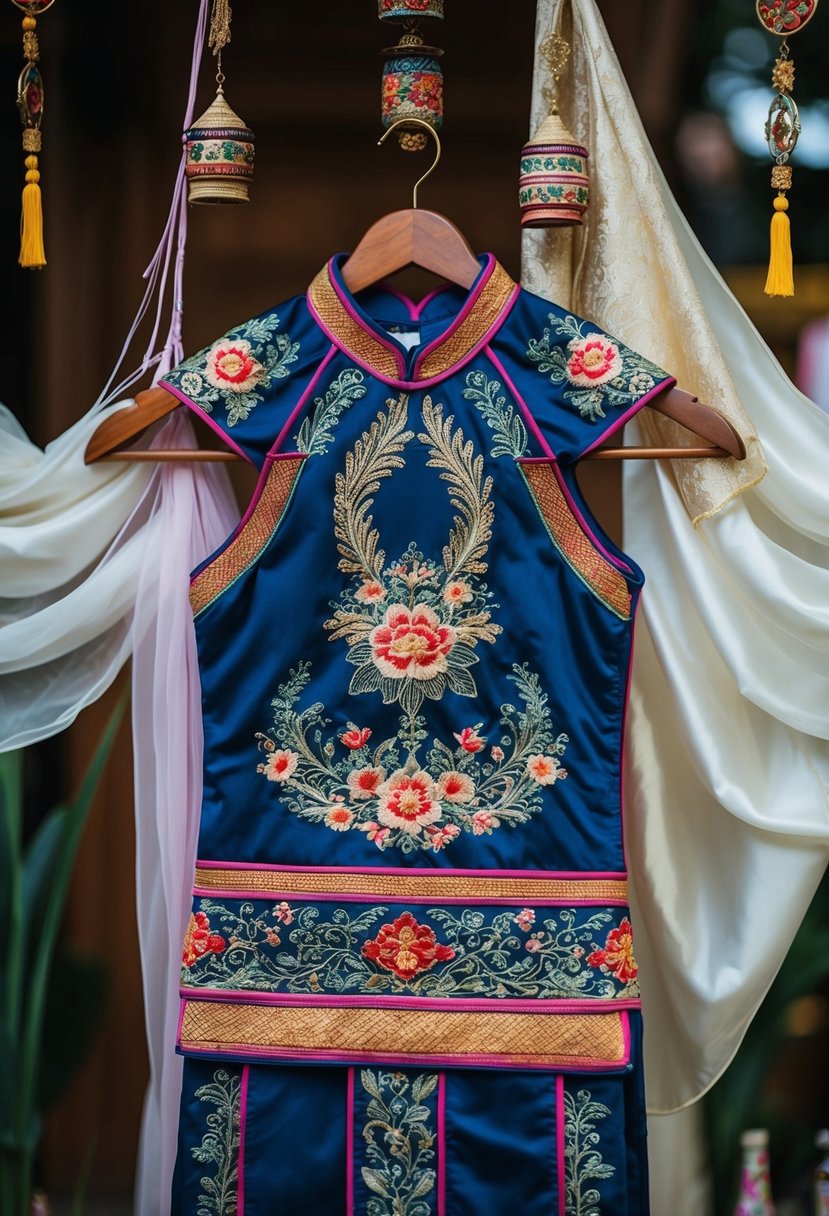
(617, 956)
(786, 16)
(406, 948)
(198, 940)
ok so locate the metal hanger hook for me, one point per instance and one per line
(410, 122)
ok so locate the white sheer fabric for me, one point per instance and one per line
(727, 818)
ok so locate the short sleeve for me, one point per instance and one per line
(579, 383)
(245, 384)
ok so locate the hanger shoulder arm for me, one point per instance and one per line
(130, 422)
(686, 409)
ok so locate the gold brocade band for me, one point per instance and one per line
(513, 1040)
(249, 542)
(495, 295)
(383, 885)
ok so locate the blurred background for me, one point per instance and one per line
(307, 80)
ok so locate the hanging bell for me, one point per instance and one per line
(412, 88)
(553, 186)
(219, 161)
(399, 10)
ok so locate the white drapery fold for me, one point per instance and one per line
(727, 820)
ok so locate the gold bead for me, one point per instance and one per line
(29, 23)
(781, 177)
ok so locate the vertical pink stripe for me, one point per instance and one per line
(521, 403)
(441, 1144)
(562, 1189)
(623, 732)
(182, 1005)
(349, 1145)
(214, 426)
(300, 405)
(243, 1124)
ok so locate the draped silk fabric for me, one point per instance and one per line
(727, 822)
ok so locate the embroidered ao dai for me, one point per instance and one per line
(408, 981)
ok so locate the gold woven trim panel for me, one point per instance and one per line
(357, 340)
(494, 297)
(569, 537)
(249, 543)
(513, 1039)
(380, 885)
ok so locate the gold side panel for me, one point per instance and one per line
(494, 297)
(246, 547)
(545, 1040)
(357, 340)
(381, 885)
(567, 534)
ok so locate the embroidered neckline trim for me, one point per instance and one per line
(485, 308)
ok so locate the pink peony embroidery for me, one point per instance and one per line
(280, 765)
(407, 802)
(406, 948)
(470, 740)
(232, 367)
(617, 956)
(440, 837)
(457, 592)
(546, 770)
(370, 592)
(365, 782)
(483, 822)
(356, 738)
(411, 643)
(374, 832)
(525, 919)
(198, 940)
(593, 360)
(455, 787)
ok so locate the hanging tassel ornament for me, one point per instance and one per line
(783, 18)
(219, 146)
(30, 108)
(412, 76)
(553, 186)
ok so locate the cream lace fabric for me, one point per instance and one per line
(727, 821)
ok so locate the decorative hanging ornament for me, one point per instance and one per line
(219, 146)
(30, 108)
(398, 10)
(412, 85)
(783, 18)
(553, 186)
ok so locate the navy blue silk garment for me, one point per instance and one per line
(408, 980)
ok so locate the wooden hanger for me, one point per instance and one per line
(432, 242)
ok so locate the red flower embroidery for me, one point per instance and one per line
(230, 365)
(593, 360)
(617, 956)
(198, 940)
(407, 801)
(406, 948)
(356, 738)
(411, 643)
(470, 740)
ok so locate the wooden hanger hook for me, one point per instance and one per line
(408, 122)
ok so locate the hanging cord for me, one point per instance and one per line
(173, 236)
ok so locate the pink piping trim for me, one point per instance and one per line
(264, 473)
(171, 388)
(314, 897)
(441, 1144)
(427, 299)
(521, 403)
(626, 1036)
(417, 384)
(412, 870)
(243, 1122)
(667, 383)
(548, 1007)
(300, 405)
(349, 1145)
(623, 733)
(484, 276)
(560, 1187)
(181, 1008)
(304, 1055)
(355, 316)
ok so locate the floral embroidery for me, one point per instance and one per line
(361, 950)
(406, 948)
(583, 1161)
(395, 800)
(617, 956)
(316, 431)
(355, 737)
(238, 369)
(510, 432)
(220, 1145)
(411, 628)
(598, 371)
(198, 940)
(408, 92)
(399, 1143)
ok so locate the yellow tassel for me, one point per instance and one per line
(780, 281)
(32, 253)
